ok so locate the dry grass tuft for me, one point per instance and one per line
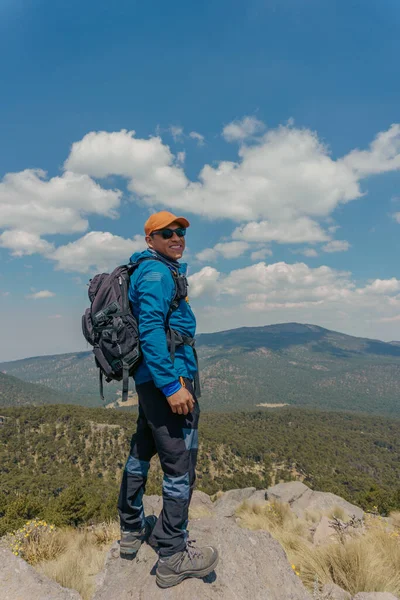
(339, 513)
(217, 495)
(106, 533)
(78, 566)
(359, 563)
(73, 557)
(395, 521)
(36, 541)
(199, 512)
(275, 517)
(312, 516)
(370, 563)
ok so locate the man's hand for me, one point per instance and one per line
(182, 402)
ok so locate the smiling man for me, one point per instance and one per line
(168, 389)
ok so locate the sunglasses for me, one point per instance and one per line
(168, 233)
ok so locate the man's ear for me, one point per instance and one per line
(149, 241)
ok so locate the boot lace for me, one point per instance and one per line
(192, 551)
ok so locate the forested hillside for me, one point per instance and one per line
(15, 392)
(64, 463)
(301, 365)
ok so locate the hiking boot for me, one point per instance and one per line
(132, 540)
(191, 562)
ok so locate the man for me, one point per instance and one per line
(168, 406)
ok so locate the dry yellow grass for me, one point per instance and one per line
(395, 521)
(78, 555)
(217, 495)
(339, 513)
(199, 512)
(275, 517)
(362, 563)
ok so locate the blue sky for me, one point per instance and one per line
(271, 125)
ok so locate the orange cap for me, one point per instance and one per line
(163, 219)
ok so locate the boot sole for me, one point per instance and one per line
(166, 581)
(128, 553)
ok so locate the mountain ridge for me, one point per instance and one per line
(243, 368)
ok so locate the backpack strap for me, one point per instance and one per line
(101, 386)
(125, 382)
(177, 339)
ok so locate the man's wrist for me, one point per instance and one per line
(171, 388)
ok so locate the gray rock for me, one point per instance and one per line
(331, 591)
(374, 596)
(20, 581)
(325, 501)
(201, 499)
(152, 505)
(228, 503)
(301, 499)
(259, 497)
(324, 532)
(288, 492)
(252, 565)
(201, 505)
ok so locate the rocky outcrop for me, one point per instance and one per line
(302, 499)
(331, 591)
(20, 581)
(374, 596)
(227, 505)
(252, 565)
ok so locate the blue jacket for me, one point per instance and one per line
(151, 292)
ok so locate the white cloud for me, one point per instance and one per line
(97, 250)
(40, 295)
(54, 317)
(285, 178)
(208, 254)
(260, 254)
(181, 156)
(177, 132)
(32, 206)
(281, 188)
(203, 282)
(24, 243)
(281, 292)
(261, 282)
(289, 232)
(149, 165)
(4, 294)
(396, 217)
(226, 249)
(382, 286)
(30, 202)
(310, 252)
(198, 137)
(382, 156)
(241, 129)
(336, 246)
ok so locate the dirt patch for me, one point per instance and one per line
(268, 405)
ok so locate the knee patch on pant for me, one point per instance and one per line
(191, 438)
(176, 487)
(134, 466)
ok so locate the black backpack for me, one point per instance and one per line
(111, 328)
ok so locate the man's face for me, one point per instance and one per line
(172, 248)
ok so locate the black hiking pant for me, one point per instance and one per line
(175, 438)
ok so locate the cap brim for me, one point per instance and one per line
(182, 221)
